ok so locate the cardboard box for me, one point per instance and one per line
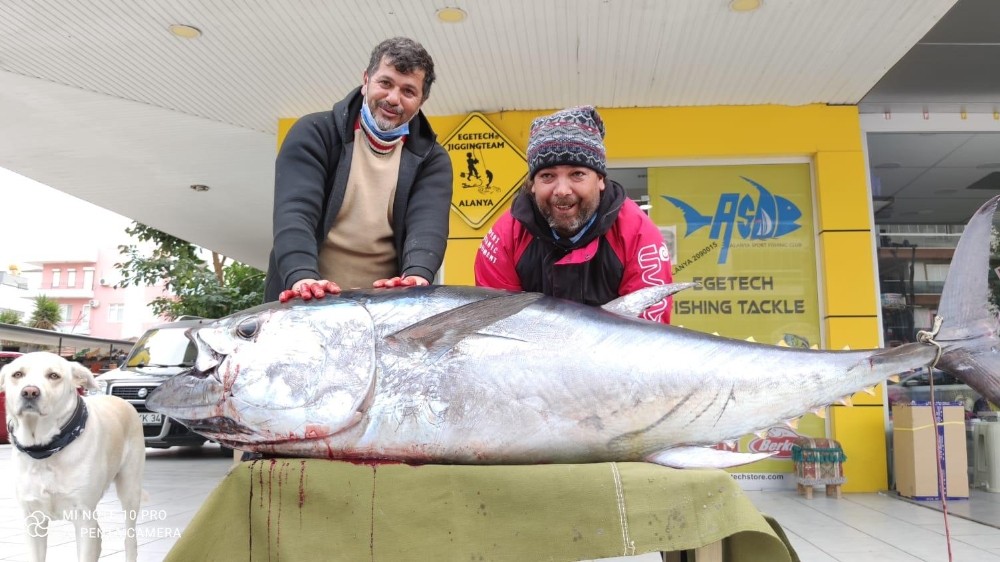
(915, 456)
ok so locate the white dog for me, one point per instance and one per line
(68, 449)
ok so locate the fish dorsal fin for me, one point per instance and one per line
(632, 304)
(442, 331)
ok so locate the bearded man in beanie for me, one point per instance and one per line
(571, 232)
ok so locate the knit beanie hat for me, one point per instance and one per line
(573, 137)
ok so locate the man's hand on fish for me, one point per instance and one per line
(407, 281)
(308, 289)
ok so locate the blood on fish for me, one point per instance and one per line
(227, 384)
(314, 431)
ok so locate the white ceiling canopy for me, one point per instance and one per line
(98, 99)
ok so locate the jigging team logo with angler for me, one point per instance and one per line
(488, 169)
(767, 218)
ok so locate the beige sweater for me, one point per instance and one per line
(358, 250)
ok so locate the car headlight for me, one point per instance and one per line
(102, 387)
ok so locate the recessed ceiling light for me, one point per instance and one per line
(199, 187)
(451, 15)
(744, 5)
(184, 31)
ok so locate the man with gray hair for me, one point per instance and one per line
(362, 192)
(571, 232)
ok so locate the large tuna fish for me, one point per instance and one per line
(465, 375)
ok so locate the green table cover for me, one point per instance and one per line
(308, 509)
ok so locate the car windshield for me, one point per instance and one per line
(168, 347)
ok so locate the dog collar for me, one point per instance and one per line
(69, 432)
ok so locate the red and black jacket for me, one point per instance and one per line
(621, 252)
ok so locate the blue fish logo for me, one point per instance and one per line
(770, 216)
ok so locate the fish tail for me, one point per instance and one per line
(969, 329)
(692, 217)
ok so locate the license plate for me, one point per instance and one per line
(151, 419)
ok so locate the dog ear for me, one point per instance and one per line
(3, 377)
(82, 376)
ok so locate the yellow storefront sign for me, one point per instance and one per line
(488, 169)
(745, 234)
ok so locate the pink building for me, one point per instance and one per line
(84, 286)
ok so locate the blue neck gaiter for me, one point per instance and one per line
(368, 121)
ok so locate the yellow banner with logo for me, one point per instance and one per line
(745, 233)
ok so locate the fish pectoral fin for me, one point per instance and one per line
(703, 457)
(442, 331)
(349, 421)
(633, 304)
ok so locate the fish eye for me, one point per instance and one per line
(247, 329)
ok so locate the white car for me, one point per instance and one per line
(162, 352)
